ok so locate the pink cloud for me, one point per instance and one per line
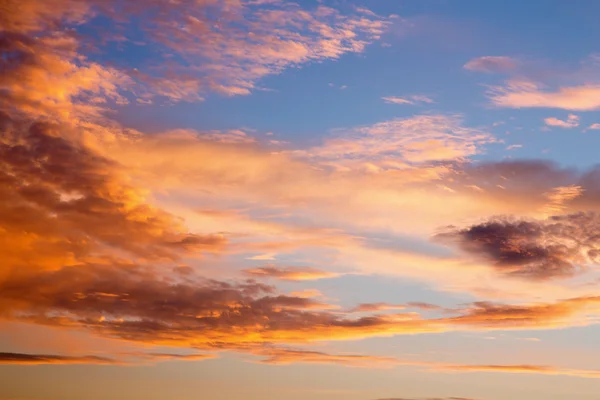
(414, 99)
(491, 64)
(572, 121)
(526, 94)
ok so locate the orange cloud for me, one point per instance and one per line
(290, 273)
(47, 77)
(289, 356)
(84, 248)
(215, 57)
(522, 369)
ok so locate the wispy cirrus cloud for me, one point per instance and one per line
(492, 64)
(37, 359)
(401, 142)
(290, 273)
(413, 99)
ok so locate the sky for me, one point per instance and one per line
(328, 200)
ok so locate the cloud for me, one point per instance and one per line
(514, 146)
(125, 359)
(524, 369)
(290, 273)
(595, 126)
(401, 142)
(423, 306)
(559, 246)
(206, 42)
(559, 196)
(47, 77)
(370, 307)
(288, 356)
(571, 122)
(36, 359)
(527, 94)
(538, 84)
(486, 315)
(491, 64)
(414, 99)
(71, 202)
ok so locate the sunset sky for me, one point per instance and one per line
(312, 200)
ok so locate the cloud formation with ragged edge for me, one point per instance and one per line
(189, 244)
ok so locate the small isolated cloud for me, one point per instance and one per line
(572, 121)
(423, 306)
(263, 257)
(594, 127)
(290, 273)
(491, 64)
(370, 307)
(527, 94)
(514, 146)
(413, 100)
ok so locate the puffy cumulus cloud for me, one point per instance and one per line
(290, 273)
(215, 46)
(398, 143)
(492, 64)
(572, 121)
(594, 127)
(559, 246)
(414, 99)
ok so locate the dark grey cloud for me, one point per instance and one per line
(559, 246)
